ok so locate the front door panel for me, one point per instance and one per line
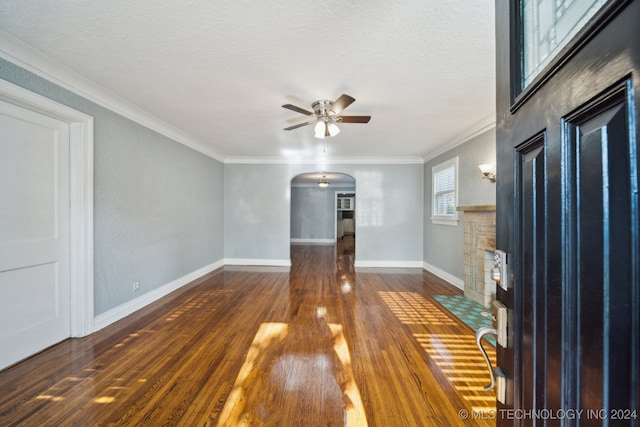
(601, 173)
(567, 213)
(531, 294)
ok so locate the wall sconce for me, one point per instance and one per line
(488, 171)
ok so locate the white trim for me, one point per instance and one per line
(482, 126)
(325, 161)
(387, 264)
(255, 261)
(110, 316)
(455, 281)
(34, 61)
(80, 195)
(314, 241)
(444, 221)
(335, 215)
(81, 208)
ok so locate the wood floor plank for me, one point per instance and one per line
(319, 344)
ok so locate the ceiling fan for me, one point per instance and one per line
(326, 114)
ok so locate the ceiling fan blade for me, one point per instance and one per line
(355, 119)
(297, 109)
(299, 125)
(341, 103)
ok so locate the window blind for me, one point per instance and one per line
(444, 190)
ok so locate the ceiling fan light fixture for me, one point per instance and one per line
(333, 129)
(320, 129)
(323, 182)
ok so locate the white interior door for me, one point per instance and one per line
(34, 232)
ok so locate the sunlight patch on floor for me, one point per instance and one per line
(456, 355)
(208, 299)
(354, 409)
(411, 308)
(236, 408)
(460, 360)
(49, 397)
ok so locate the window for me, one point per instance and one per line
(548, 25)
(445, 192)
(545, 27)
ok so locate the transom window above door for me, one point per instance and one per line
(547, 26)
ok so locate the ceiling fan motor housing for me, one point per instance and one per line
(328, 113)
(322, 108)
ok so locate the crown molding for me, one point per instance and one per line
(23, 55)
(480, 127)
(325, 161)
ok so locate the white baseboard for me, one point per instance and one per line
(110, 316)
(314, 241)
(253, 261)
(455, 281)
(388, 264)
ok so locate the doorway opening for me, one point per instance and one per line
(323, 207)
(345, 214)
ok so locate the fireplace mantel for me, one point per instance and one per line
(477, 208)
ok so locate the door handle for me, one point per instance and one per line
(480, 333)
(497, 375)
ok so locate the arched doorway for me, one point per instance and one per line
(322, 207)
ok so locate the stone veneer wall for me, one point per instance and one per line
(479, 237)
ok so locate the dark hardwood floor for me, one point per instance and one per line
(318, 345)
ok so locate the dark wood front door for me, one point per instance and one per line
(567, 215)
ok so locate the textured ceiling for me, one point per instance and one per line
(219, 71)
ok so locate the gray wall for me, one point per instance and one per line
(163, 210)
(389, 210)
(444, 244)
(313, 211)
(158, 205)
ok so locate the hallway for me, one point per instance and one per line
(317, 345)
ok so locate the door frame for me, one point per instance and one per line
(335, 216)
(81, 199)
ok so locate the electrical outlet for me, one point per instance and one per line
(136, 285)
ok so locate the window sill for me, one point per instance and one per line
(444, 221)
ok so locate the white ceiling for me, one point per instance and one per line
(219, 71)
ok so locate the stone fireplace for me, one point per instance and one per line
(479, 248)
